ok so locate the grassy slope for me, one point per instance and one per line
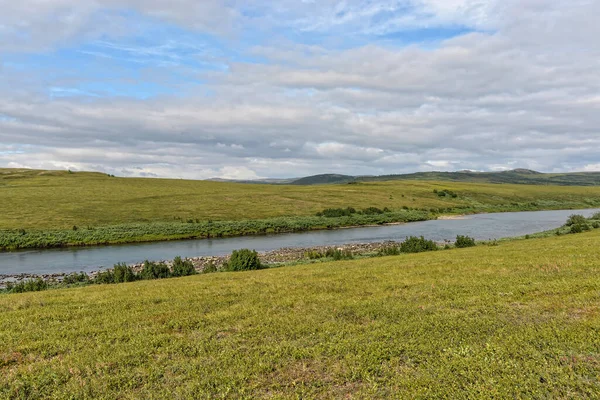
(519, 176)
(519, 320)
(522, 177)
(45, 200)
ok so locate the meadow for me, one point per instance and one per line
(516, 319)
(56, 208)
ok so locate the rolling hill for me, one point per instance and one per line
(516, 176)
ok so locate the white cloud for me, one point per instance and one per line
(524, 94)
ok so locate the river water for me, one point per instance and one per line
(480, 226)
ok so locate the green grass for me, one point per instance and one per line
(516, 320)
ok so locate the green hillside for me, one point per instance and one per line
(518, 320)
(517, 176)
(59, 199)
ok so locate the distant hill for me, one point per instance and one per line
(516, 176)
(323, 179)
(268, 181)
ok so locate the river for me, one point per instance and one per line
(480, 226)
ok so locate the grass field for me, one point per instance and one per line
(60, 200)
(516, 320)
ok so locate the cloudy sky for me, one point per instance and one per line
(283, 88)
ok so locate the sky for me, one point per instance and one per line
(247, 89)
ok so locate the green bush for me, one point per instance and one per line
(31, 285)
(336, 212)
(72, 279)
(578, 228)
(445, 192)
(415, 244)
(104, 278)
(314, 255)
(373, 211)
(123, 273)
(576, 219)
(182, 268)
(389, 250)
(154, 271)
(338, 254)
(596, 225)
(209, 268)
(244, 260)
(464, 241)
(342, 255)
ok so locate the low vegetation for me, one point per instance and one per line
(464, 241)
(244, 260)
(516, 320)
(120, 273)
(348, 211)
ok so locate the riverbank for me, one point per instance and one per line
(13, 240)
(492, 227)
(21, 239)
(280, 257)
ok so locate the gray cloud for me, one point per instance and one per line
(525, 94)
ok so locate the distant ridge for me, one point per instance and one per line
(515, 176)
(323, 179)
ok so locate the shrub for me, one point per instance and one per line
(464, 241)
(372, 211)
(576, 219)
(183, 268)
(154, 271)
(596, 216)
(31, 285)
(337, 212)
(72, 279)
(578, 228)
(342, 255)
(596, 225)
(389, 250)
(445, 192)
(338, 254)
(244, 260)
(123, 273)
(314, 255)
(104, 277)
(415, 244)
(209, 268)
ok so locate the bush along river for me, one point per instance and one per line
(280, 248)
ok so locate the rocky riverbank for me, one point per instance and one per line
(280, 256)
